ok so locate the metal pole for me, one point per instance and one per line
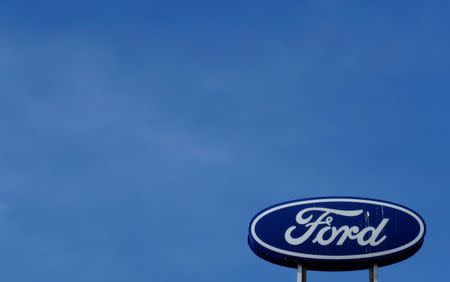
(373, 273)
(301, 273)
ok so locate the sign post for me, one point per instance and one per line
(301, 273)
(336, 234)
(373, 273)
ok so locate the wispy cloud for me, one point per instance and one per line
(77, 88)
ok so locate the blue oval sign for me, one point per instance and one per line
(336, 233)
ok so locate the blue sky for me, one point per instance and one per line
(139, 138)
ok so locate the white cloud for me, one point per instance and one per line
(77, 88)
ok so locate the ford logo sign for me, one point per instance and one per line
(336, 233)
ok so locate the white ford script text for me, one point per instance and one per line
(328, 233)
